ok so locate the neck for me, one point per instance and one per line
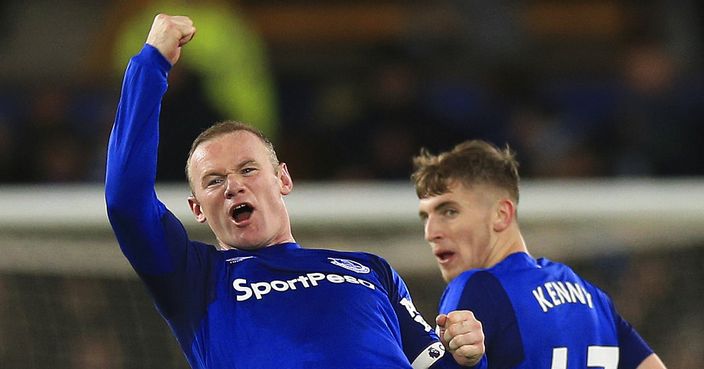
(288, 238)
(506, 243)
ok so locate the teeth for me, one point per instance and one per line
(240, 206)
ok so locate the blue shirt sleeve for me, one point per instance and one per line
(150, 236)
(484, 295)
(420, 344)
(133, 209)
(633, 348)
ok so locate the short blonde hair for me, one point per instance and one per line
(470, 162)
(221, 128)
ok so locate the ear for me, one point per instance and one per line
(194, 205)
(504, 214)
(285, 179)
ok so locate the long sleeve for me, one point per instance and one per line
(138, 218)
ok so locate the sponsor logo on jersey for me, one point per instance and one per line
(350, 265)
(238, 259)
(258, 290)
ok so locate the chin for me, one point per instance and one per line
(447, 277)
(250, 247)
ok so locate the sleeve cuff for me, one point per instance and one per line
(482, 364)
(447, 361)
(151, 55)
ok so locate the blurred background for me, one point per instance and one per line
(603, 102)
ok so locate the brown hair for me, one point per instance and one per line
(225, 127)
(470, 162)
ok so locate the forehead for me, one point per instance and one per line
(457, 193)
(229, 147)
(450, 194)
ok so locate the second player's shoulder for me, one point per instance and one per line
(557, 270)
(478, 290)
(463, 278)
(546, 263)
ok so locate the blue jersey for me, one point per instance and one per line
(541, 314)
(282, 306)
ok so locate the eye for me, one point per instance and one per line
(248, 170)
(450, 212)
(214, 181)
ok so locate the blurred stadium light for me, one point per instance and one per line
(64, 228)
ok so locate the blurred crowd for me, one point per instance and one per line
(623, 100)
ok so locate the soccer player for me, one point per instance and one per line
(535, 313)
(257, 299)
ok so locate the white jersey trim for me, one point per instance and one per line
(429, 356)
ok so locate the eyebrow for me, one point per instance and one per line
(208, 175)
(438, 207)
(244, 163)
(214, 173)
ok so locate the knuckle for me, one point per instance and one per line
(454, 329)
(467, 351)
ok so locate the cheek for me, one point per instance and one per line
(473, 234)
(209, 206)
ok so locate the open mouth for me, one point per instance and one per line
(242, 212)
(444, 256)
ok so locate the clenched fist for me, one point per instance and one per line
(169, 33)
(462, 335)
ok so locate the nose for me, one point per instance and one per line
(234, 186)
(432, 229)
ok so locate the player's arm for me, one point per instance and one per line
(483, 295)
(138, 218)
(420, 342)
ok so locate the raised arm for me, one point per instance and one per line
(140, 221)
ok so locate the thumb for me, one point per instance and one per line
(441, 320)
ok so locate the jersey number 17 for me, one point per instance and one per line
(605, 357)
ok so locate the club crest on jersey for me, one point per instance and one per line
(350, 265)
